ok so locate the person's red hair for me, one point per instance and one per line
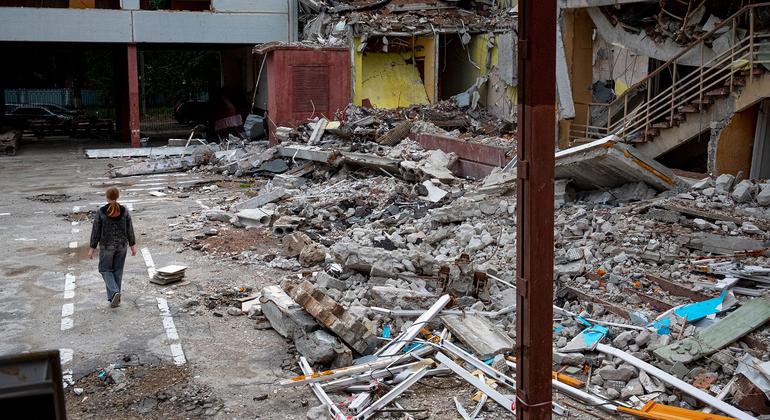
(113, 208)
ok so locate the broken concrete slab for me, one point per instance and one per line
(153, 167)
(724, 332)
(318, 347)
(479, 334)
(402, 298)
(134, 152)
(262, 199)
(436, 165)
(609, 163)
(286, 316)
(722, 244)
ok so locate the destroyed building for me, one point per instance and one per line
(358, 260)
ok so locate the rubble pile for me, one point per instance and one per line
(389, 258)
(330, 22)
(649, 273)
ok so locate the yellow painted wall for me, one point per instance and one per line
(428, 52)
(389, 80)
(486, 61)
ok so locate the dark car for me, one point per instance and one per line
(193, 112)
(40, 119)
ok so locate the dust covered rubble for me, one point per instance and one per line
(367, 239)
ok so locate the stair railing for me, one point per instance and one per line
(634, 121)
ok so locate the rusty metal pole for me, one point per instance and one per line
(535, 208)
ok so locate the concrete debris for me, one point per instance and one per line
(609, 163)
(329, 313)
(286, 317)
(479, 334)
(381, 214)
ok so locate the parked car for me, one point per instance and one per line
(40, 119)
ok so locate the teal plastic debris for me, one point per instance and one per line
(662, 326)
(698, 310)
(587, 339)
(386, 331)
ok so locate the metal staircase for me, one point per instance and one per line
(642, 112)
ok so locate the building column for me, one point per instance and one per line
(127, 87)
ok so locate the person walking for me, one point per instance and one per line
(111, 231)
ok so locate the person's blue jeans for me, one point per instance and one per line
(111, 262)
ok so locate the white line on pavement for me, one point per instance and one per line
(5, 214)
(65, 358)
(148, 262)
(66, 323)
(67, 310)
(69, 286)
(168, 324)
(73, 244)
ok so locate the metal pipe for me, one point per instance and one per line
(675, 382)
(334, 411)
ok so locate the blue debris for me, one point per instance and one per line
(662, 326)
(386, 331)
(699, 310)
(593, 334)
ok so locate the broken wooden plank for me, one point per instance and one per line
(726, 331)
(676, 289)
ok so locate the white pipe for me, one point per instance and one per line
(578, 394)
(334, 411)
(676, 382)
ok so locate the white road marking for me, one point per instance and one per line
(73, 244)
(24, 239)
(178, 354)
(75, 223)
(65, 357)
(5, 214)
(148, 262)
(67, 310)
(69, 286)
(168, 324)
(66, 323)
(75, 231)
(75, 209)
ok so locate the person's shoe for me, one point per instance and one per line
(115, 302)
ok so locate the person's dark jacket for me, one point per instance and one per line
(112, 232)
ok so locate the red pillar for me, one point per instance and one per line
(127, 83)
(534, 198)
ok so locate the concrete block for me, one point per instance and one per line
(255, 217)
(262, 199)
(286, 317)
